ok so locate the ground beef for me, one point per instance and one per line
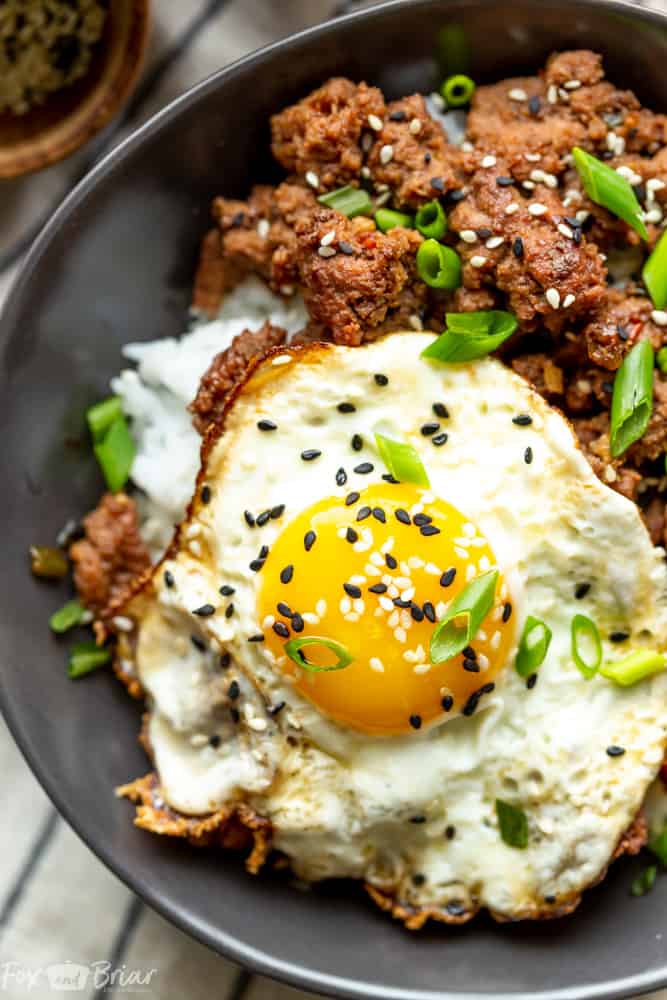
(420, 163)
(227, 368)
(110, 556)
(321, 137)
(620, 320)
(540, 370)
(215, 276)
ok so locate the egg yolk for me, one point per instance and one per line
(375, 571)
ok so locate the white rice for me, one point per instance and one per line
(157, 392)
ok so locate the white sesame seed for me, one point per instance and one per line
(358, 605)
(263, 228)
(376, 664)
(372, 570)
(258, 724)
(551, 181)
(388, 545)
(471, 573)
(365, 172)
(552, 295)
(494, 241)
(351, 616)
(517, 94)
(382, 199)
(629, 174)
(467, 147)
(312, 179)
(328, 238)
(326, 251)
(392, 590)
(653, 215)
(484, 564)
(415, 126)
(375, 123)
(403, 581)
(489, 161)
(610, 474)
(122, 623)
(287, 290)
(345, 605)
(400, 635)
(568, 300)
(198, 740)
(659, 317)
(386, 603)
(552, 94)
(408, 593)
(563, 94)
(495, 640)
(483, 661)
(282, 359)
(565, 231)
(432, 569)
(654, 184)
(415, 322)
(421, 668)
(406, 619)
(321, 608)
(536, 208)
(379, 613)
(528, 185)
(195, 547)
(440, 609)
(468, 235)
(357, 580)
(512, 208)
(394, 619)
(532, 157)
(572, 84)
(478, 260)
(582, 215)
(268, 621)
(310, 618)
(461, 553)
(537, 175)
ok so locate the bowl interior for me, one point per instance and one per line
(116, 265)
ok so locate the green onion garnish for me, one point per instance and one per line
(513, 824)
(606, 187)
(402, 461)
(294, 646)
(349, 201)
(438, 266)
(67, 617)
(634, 667)
(101, 416)
(431, 220)
(533, 646)
(586, 645)
(655, 273)
(661, 359)
(644, 881)
(115, 454)
(386, 219)
(86, 657)
(472, 605)
(471, 335)
(458, 90)
(632, 400)
(658, 845)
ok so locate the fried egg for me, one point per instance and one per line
(389, 768)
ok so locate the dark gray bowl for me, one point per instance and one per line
(115, 264)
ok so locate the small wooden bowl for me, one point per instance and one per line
(73, 115)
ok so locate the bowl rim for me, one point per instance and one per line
(246, 955)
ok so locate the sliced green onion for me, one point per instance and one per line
(513, 824)
(458, 90)
(533, 646)
(294, 646)
(431, 220)
(471, 335)
(655, 274)
(586, 645)
(101, 416)
(67, 617)
(634, 667)
(661, 359)
(115, 454)
(402, 461)
(438, 266)
(606, 187)
(658, 846)
(472, 604)
(86, 657)
(386, 219)
(349, 201)
(632, 399)
(644, 881)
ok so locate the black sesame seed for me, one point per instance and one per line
(522, 420)
(622, 331)
(363, 513)
(441, 410)
(397, 116)
(381, 379)
(277, 511)
(256, 565)
(214, 741)
(249, 519)
(418, 819)
(450, 832)
(531, 681)
(402, 515)
(357, 442)
(469, 652)
(229, 611)
(225, 660)
(418, 879)
(429, 611)
(447, 577)
(198, 643)
(507, 611)
(417, 613)
(309, 540)
(534, 105)
(226, 590)
(400, 603)
(422, 519)
(619, 636)
(472, 666)
(281, 629)
(205, 611)
(168, 579)
(504, 181)
(456, 195)
(341, 477)
(352, 590)
(470, 706)
(416, 721)
(528, 455)
(310, 454)
(351, 498)
(263, 552)
(607, 386)
(615, 751)
(234, 714)
(581, 590)
(286, 574)
(455, 909)
(345, 248)
(262, 518)
(550, 900)
(284, 609)
(429, 429)
(447, 703)
(346, 408)
(390, 561)
(388, 478)
(267, 425)
(363, 469)
(275, 709)
(378, 588)
(576, 236)
(379, 515)
(517, 247)
(439, 439)
(351, 536)
(256, 638)
(427, 157)
(429, 529)
(484, 232)
(205, 494)
(238, 219)
(233, 691)
(297, 622)
(487, 688)
(437, 183)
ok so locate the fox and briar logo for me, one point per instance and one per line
(75, 977)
